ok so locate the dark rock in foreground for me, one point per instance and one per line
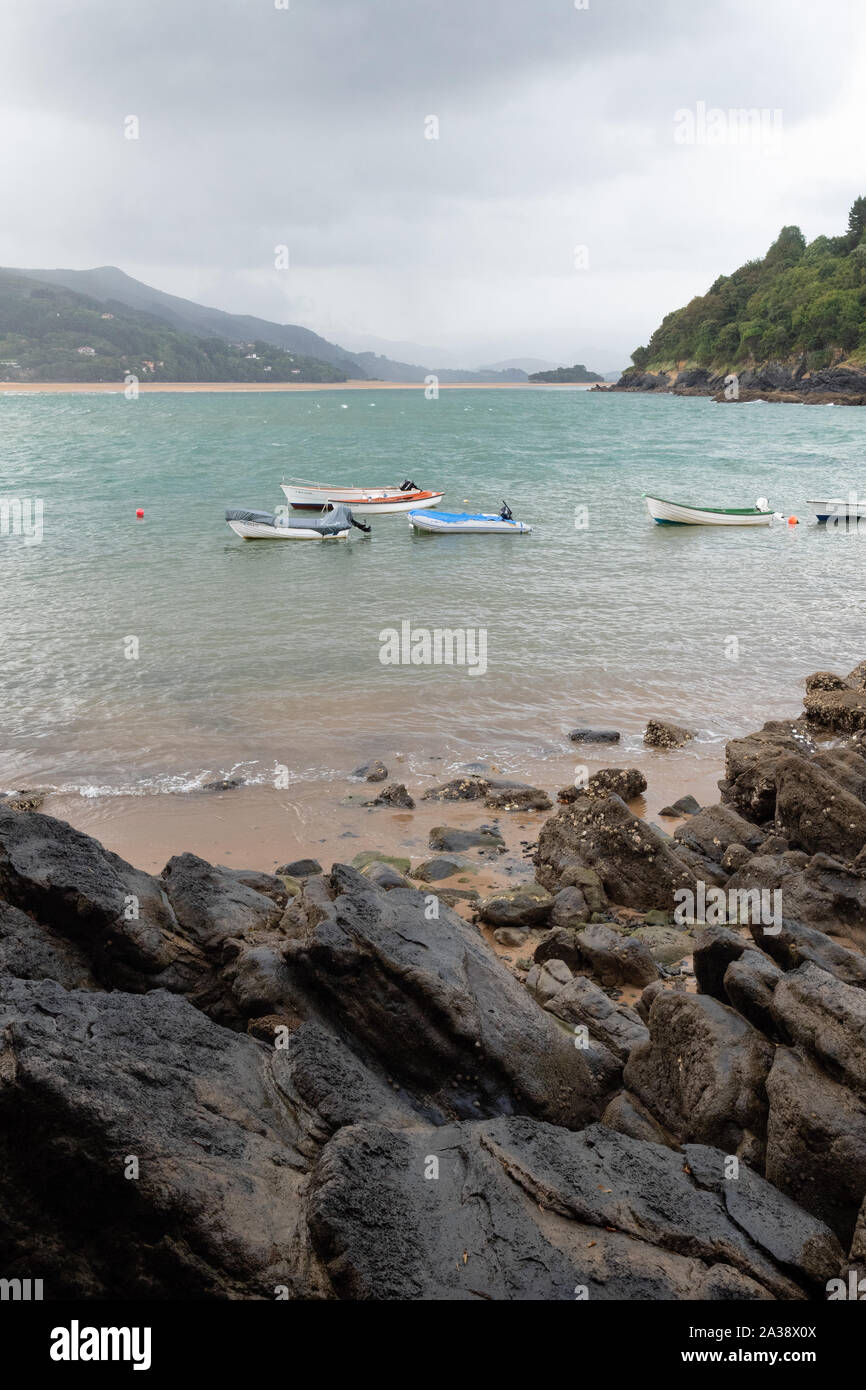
(428, 998)
(582, 1002)
(357, 1099)
(301, 868)
(703, 1074)
(615, 959)
(684, 806)
(451, 840)
(31, 951)
(211, 905)
(814, 813)
(398, 1215)
(750, 767)
(119, 919)
(93, 1081)
(711, 831)
(816, 1141)
(434, 869)
(526, 906)
(633, 860)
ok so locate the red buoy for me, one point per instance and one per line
(792, 521)
(139, 512)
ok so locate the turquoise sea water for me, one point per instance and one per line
(252, 655)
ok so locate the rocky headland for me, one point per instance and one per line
(784, 381)
(224, 1083)
(789, 326)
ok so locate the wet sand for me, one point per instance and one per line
(259, 827)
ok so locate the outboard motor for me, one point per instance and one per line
(341, 517)
(409, 487)
(506, 513)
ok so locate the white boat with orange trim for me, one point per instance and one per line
(364, 501)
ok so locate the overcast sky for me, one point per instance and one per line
(262, 126)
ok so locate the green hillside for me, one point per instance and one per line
(43, 329)
(116, 290)
(185, 316)
(805, 300)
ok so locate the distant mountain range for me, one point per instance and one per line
(164, 337)
(51, 333)
(522, 364)
(384, 369)
(116, 290)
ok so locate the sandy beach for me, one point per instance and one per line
(34, 388)
(258, 827)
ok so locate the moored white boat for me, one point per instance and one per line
(332, 524)
(260, 531)
(843, 508)
(365, 501)
(681, 514)
(478, 523)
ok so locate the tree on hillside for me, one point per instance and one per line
(787, 249)
(857, 220)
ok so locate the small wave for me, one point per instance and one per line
(249, 774)
(166, 784)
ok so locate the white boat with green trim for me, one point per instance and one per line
(668, 513)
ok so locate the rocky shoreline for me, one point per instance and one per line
(222, 1083)
(780, 382)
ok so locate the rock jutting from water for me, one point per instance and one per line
(786, 383)
(313, 1069)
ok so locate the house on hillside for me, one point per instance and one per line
(86, 351)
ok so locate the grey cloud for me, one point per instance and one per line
(261, 126)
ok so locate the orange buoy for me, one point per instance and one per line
(792, 521)
(139, 512)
